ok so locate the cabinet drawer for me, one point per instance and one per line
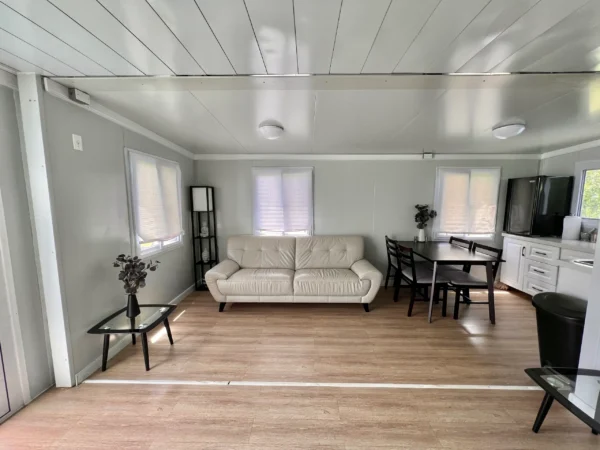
(533, 287)
(539, 271)
(542, 253)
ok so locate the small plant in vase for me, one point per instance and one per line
(133, 275)
(421, 218)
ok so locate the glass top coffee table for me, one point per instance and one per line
(118, 323)
(578, 390)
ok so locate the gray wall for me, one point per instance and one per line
(21, 250)
(370, 198)
(90, 204)
(564, 165)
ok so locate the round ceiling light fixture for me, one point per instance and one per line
(271, 131)
(508, 130)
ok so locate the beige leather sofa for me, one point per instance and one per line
(317, 269)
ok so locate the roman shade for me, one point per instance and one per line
(156, 197)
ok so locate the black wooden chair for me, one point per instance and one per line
(461, 281)
(392, 257)
(418, 275)
(459, 242)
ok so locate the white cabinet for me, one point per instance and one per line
(512, 270)
(540, 271)
(532, 266)
(574, 282)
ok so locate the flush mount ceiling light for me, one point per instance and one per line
(508, 130)
(270, 131)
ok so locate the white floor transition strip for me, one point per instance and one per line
(490, 387)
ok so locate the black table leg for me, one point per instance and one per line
(544, 408)
(132, 322)
(105, 351)
(145, 347)
(168, 328)
(490, 283)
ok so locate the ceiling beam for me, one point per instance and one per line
(8, 79)
(328, 82)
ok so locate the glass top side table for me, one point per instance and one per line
(118, 323)
(578, 390)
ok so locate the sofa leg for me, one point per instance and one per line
(222, 306)
(366, 307)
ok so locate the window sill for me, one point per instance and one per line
(161, 251)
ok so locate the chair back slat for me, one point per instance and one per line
(406, 258)
(461, 242)
(390, 246)
(490, 251)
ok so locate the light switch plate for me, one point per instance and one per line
(77, 143)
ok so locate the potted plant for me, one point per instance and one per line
(133, 275)
(421, 218)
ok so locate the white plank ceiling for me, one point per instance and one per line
(226, 37)
(132, 41)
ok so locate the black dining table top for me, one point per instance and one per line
(445, 253)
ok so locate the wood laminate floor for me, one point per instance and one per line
(312, 343)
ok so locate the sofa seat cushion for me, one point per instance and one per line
(258, 282)
(329, 282)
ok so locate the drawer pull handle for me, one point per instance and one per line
(538, 270)
(540, 253)
(535, 288)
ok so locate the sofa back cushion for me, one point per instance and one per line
(328, 252)
(262, 252)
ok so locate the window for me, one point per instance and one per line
(283, 201)
(155, 200)
(588, 176)
(466, 201)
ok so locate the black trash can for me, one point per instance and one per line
(560, 320)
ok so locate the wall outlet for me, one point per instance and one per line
(77, 143)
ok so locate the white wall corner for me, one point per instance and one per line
(39, 188)
(62, 92)
(120, 344)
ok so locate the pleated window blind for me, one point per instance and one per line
(155, 187)
(466, 201)
(283, 201)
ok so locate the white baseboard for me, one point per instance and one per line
(120, 344)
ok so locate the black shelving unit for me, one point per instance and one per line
(203, 211)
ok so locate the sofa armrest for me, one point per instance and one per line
(221, 271)
(367, 271)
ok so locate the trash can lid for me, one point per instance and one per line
(561, 305)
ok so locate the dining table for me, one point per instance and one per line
(444, 253)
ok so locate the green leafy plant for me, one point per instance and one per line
(423, 215)
(134, 272)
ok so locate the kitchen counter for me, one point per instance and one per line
(578, 246)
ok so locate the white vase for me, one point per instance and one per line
(421, 237)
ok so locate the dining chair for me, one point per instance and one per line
(462, 281)
(418, 276)
(392, 257)
(459, 242)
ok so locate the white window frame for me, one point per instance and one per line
(444, 236)
(256, 232)
(580, 168)
(160, 246)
